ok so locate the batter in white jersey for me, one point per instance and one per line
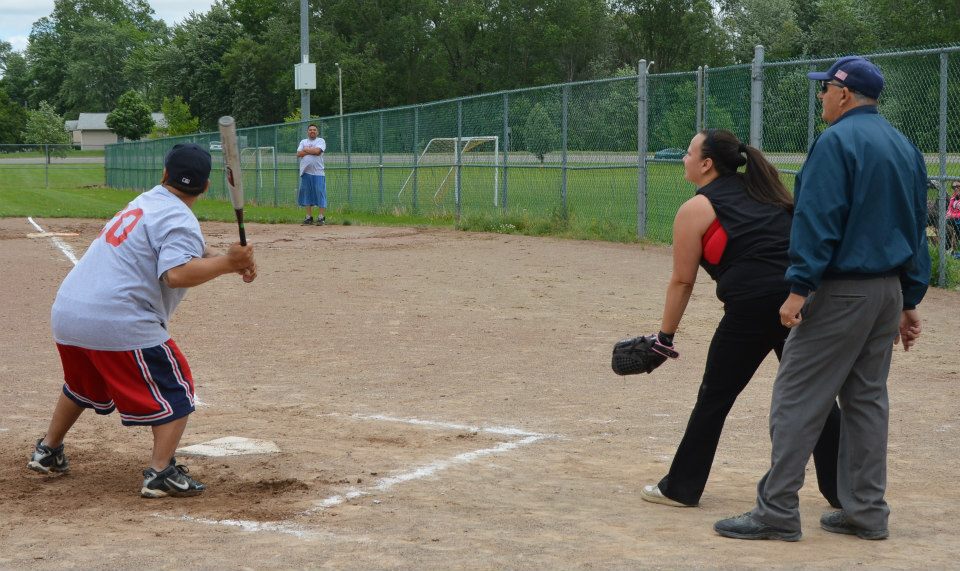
(110, 321)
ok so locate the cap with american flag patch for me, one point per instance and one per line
(855, 72)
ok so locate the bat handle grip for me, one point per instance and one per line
(243, 233)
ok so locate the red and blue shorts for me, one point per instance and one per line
(148, 386)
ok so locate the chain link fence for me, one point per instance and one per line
(602, 154)
(59, 166)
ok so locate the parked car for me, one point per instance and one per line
(216, 146)
(670, 154)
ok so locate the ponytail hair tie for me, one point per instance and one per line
(742, 148)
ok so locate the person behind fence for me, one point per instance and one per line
(859, 265)
(110, 317)
(737, 228)
(953, 220)
(313, 182)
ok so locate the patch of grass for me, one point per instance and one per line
(601, 203)
(952, 273)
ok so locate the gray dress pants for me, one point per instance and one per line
(841, 349)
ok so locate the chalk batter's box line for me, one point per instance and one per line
(523, 438)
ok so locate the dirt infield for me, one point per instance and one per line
(442, 400)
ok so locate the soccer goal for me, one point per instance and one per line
(436, 167)
(262, 162)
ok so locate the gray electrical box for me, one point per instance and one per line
(305, 76)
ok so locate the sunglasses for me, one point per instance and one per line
(825, 85)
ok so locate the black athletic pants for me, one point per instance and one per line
(747, 333)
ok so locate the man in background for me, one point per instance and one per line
(313, 182)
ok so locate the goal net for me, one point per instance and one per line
(259, 166)
(436, 168)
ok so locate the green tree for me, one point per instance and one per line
(678, 35)
(5, 50)
(15, 78)
(46, 127)
(131, 118)
(916, 23)
(770, 23)
(178, 118)
(842, 27)
(13, 120)
(540, 133)
(192, 63)
(77, 55)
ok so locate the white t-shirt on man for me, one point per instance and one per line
(312, 164)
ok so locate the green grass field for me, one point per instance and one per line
(601, 202)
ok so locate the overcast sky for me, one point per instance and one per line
(17, 16)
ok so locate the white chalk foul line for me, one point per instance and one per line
(66, 249)
(434, 467)
(246, 525)
(422, 472)
(503, 431)
(385, 484)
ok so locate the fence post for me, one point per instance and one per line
(276, 164)
(699, 126)
(563, 148)
(642, 69)
(416, 156)
(942, 198)
(756, 98)
(380, 181)
(811, 109)
(506, 149)
(706, 97)
(457, 188)
(349, 162)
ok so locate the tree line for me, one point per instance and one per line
(238, 57)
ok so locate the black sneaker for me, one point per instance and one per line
(45, 459)
(308, 221)
(171, 481)
(837, 522)
(321, 220)
(746, 527)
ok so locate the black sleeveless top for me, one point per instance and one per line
(755, 259)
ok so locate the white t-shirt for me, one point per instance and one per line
(312, 164)
(114, 299)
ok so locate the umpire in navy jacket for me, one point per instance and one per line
(859, 265)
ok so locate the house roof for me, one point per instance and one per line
(98, 121)
(70, 125)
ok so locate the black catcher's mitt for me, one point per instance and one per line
(640, 355)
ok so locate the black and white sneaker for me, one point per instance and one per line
(308, 221)
(45, 459)
(321, 220)
(171, 481)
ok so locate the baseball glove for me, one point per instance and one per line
(640, 355)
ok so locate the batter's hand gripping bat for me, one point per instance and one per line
(231, 166)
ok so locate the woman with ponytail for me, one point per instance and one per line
(737, 227)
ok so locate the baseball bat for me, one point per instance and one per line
(231, 166)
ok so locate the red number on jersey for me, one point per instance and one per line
(116, 235)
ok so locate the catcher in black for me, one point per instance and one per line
(737, 227)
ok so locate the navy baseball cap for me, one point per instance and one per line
(857, 73)
(188, 167)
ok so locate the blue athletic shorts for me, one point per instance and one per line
(313, 190)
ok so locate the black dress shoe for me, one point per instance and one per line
(746, 527)
(837, 522)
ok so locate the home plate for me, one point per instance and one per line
(51, 234)
(230, 446)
